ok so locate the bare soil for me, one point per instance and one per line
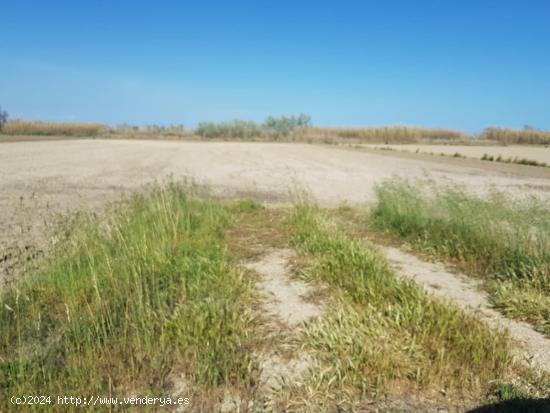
(285, 300)
(85, 173)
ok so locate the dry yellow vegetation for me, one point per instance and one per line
(513, 136)
(24, 127)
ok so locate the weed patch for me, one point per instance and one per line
(381, 332)
(505, 240)
(125, 302)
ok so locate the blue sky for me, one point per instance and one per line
(460, 64)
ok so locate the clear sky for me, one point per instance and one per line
(462, 64)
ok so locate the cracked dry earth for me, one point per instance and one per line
(533, 348)
(284, 300)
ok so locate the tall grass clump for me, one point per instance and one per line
(22, 127)
(382, 331)
(506, 240)
(127, 301)
(516, 136)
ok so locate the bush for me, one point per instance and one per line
(234, 129)
(284, 125)
(272, 127)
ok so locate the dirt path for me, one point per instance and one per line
(436, 279)
(285, 301)
(285, 297)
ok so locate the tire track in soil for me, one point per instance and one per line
(534, 347)
(285, 301)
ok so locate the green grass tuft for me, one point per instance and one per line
(381, 331)
(125, 302)
(506, 240)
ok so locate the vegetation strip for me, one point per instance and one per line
(380, 331)
(520, 161)
(294, 128)
(505, 240)
(128, 302)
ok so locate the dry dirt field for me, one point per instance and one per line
(57, 176)
(535, 153)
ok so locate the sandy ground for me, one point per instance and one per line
(535, 153)
(77, 173)
(284, 299)
(41, 178)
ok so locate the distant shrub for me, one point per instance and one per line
(272, 127)
(234, 129)
(285, 125)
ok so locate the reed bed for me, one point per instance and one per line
(22, 127)
(507, 136)
(388, 134)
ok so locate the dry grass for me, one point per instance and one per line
(516, 136)
(124, 131)
(256, 230)
(388, 134)
(23, 127)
